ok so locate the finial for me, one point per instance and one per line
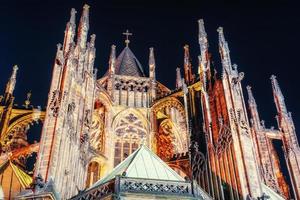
(273, 78)
(275, 85)
(178, 78)
(235, 66)
(72, 18)
(202, 32)
(221, 34)
(15, 68)
(151, 63)
(92, 41)
(27, 101)
(220, 30)
(186, 54)
(188, 74)
(127, 34)
(151, 57)
(83, 27)
(250, 94)
(86, 7)
(278, 96)
(58, 46)
(12, 81)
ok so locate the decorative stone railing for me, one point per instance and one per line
(121, 185)
(159, 187)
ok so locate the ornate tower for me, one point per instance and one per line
(265, 152)
(289, 139)
(64, 143)
(237, 125)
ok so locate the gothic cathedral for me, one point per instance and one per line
(127, 136)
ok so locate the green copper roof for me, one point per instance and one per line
(142, 163)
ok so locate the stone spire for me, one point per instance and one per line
(83, 27)
(188, 74)
(70, 31)
(203, 42)
(112, 59)
(253, 109)
(224, 51)
(151, 63)
(278, 97)
(203, 58)
(291, 144)
(12, 81)
(178, 78)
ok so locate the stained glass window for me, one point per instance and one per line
(130, 132)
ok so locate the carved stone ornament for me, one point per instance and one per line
(70, 120)
(38, 182)
(87, 118)
(54, 103)
(198, 162)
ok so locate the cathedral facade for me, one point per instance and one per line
(127, 136)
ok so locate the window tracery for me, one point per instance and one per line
(130, 132)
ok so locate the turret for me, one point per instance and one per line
(188, 74)
(255, 120)
(178, 78)
(152, 64)
(69, 32)
(83, 27)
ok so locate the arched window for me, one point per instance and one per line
(93, 173)
(130, 132)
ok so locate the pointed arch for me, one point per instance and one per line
(102, 106)
(170, 140)
(168, 102)
(127, 111)
(130, 129)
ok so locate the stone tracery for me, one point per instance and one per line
(130, 132)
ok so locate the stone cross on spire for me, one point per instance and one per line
(127, 34)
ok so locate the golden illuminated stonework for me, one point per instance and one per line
(128, 136)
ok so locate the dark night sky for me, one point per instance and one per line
(263, 39)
